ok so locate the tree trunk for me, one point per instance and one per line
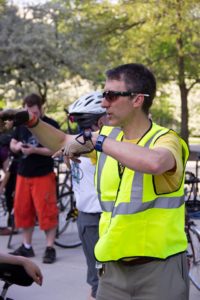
(42, 89)
(181, 74)
(184, 112)
(183, 90)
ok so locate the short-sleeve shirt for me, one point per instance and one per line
(33, 165)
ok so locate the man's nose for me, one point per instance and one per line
(105, 103)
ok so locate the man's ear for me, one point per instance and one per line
(138, 100)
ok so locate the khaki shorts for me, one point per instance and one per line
(156, 280)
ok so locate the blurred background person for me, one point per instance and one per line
(35, 195)
(7, 182)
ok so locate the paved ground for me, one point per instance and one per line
(63, 280)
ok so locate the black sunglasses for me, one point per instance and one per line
(111, 96)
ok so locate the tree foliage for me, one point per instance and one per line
(66, 38)
(32, 52)
(164, 35)
(162, 112)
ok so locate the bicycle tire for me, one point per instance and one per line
(194, 255)
(194, 275)
(67, 234)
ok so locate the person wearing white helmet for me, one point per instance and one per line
(89, 114)
(87, 110)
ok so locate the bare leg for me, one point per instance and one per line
(50, 236)
(27, 235)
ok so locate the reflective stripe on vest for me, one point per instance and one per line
(108, 206)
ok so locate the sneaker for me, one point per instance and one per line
(49, 255)
(23, 251)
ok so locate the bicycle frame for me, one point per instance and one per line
(67, 231)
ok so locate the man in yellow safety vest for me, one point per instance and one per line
(140, 183)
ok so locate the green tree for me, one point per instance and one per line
(166, 38)
(44, 45)
(163, 34)
(73, 37)
(31, 52)
(174, 53)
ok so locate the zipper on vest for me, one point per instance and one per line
(121, 169)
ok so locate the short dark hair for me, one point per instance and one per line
(32, 99)
(137, 78)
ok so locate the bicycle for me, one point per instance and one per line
(67, 231)
(193, 252)
(192, 229)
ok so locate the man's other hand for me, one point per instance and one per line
(77, 148)
(18, 116)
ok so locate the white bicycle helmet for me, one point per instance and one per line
(89, 103)
(87, 110)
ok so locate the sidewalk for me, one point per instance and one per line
(63, 280)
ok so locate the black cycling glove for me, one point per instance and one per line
(18, 116)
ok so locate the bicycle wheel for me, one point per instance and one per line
(194, 255)
(67, 233)
(194, 274)
(3, 212)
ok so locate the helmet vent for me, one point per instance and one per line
(89, 103)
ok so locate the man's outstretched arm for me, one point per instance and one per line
(47, 135)
(50, 137)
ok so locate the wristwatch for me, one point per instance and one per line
(99, 142)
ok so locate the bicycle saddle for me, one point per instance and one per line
(14, 274)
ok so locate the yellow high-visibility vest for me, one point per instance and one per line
(136, 221)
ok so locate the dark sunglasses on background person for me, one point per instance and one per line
(111, 96)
